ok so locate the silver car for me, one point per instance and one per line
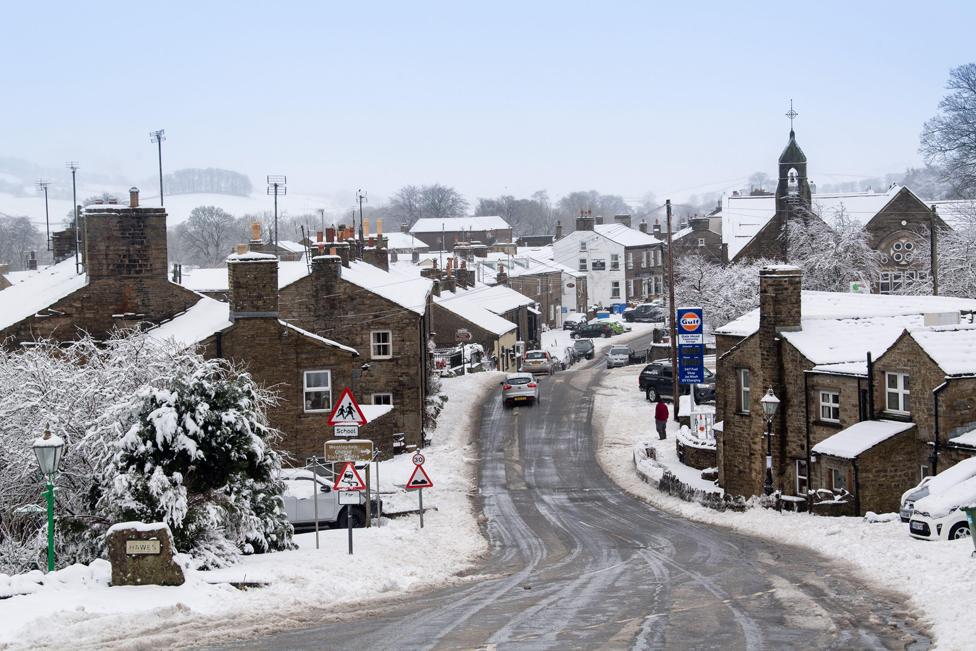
(618, 356)
(539, 361)
(519, 388)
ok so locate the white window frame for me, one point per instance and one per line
(701, 241)
(805, 475)
(582, 245)
(630, 259)
(614, 262)
(582, 264)
(829, 407)
(382, 394)
(899, 392)
(306, 390)
(644, 256)
(924, 471)
(742, 379)
(373, 344)
(614, 289)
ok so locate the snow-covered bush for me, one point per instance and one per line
(198, 456)
(723, 292)
(83, 391)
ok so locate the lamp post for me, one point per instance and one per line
(770, 403)
(48, 451)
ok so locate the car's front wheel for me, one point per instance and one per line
(652, 394)
(959, 531)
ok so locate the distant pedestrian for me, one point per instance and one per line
(661, 418)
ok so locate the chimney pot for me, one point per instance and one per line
(255, 232)
(379, 226)
(133, 197)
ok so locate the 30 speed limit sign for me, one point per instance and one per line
(418, 459)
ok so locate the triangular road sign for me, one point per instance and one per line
(348, 479)
(419, 479)
(346, 411)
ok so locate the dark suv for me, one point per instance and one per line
(584, 348)
(591, 330)
(644, 313)
(656, 380)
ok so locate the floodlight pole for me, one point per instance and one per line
(73, 166)
(42, 184)
(276, 184)
(158, 137)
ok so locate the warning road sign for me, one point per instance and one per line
(346, 411)
(348, 479)
(419, 479)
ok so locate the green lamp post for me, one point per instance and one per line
(48, 449)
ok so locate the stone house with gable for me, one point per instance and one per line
(307, 372)
(441, 234)
(812, 349)
(124, 283)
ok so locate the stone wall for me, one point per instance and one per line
(546, 290)
(886, 471)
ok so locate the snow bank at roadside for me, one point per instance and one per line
(937, 576)
(303, 586)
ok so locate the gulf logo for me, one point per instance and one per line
(689, 321)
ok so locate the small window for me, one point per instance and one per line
(744, 391)
(582, 264)
(382, 398)
(644, 258)
(630, 260)
(598, 264)
(318, 391)
(614, 262)
(923, 472)
(802, 477)
(830, 406)
(701, 241)
(615, 289)
(838, 479)
(381, 344)
(582, 245)
(897, 393)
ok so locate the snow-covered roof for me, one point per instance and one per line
(527, 266)
(843, 368)
(468, 308)
(453, 224)
(214, 279)
(956, 213)
(967, 438)
(498, 298)
(400, 241)
(289, 245)
(850, 442)
(207, 316)
(405, 290)
(839, 305)
(624, 235)
(38, 290)
(953, 348)
(683, 232)
(831, 341)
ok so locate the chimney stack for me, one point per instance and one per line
(252, 279)
(342, 250)
(622, 219)
(559, 230)
(121, 241)
(585, 221)
(133, 197)
(779, 299)
(599, 220)
(643, 226)
(32, 262)
(657, 228)
(404, 228)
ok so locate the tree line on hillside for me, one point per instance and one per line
(210, 180)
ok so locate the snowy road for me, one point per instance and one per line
(579, 564)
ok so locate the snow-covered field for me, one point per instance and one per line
(79, 610)
(938, 577)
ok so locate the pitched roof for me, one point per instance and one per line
(624, 235)
(468, 308)
(851, 442)
(214, 279)
(405, 290)
(398, 240)
(953, 348)
(35, 291)
(452, 224)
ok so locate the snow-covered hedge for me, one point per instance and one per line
(92, 394)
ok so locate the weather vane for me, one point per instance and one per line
(791, 114)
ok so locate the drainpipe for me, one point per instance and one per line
(806, 427)
(935, 404)
(870, 388)
(857, 490)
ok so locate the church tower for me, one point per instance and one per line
(793, 187)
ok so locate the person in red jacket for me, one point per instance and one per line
(661, 418)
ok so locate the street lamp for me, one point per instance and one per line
(770, 403)
(48, 451)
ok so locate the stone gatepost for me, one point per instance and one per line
(142, 554)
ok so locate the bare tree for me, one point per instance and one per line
(18, 237)
(949, 139)
(208, 235)
(413, 202)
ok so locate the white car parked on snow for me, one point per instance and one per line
(935, 484)
(300, 488)
(941, 516)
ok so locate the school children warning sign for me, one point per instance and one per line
(346, 411)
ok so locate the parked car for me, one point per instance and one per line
(941, 516)
(539, 361)
(593, 330)
(571, 356)
(584, 348)
(618, 328)
(936, 484)
(618, 356)
(644, 313)
(656, 379)
(300, 488)
(519, 387)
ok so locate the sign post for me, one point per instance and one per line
(346, 417)
(419, 480)
(349, 482)
(691, 346)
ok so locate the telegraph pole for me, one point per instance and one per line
(158, 137)
(361, 195)
(73, 166)
(934, 253)
(671, 315)
(42, 184)
(277, 184)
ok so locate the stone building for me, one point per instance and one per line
(811, 349)
(442, 234)
(702, 237)
(124, 283)
(496, 335)
(306, 371)
(621, 264)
